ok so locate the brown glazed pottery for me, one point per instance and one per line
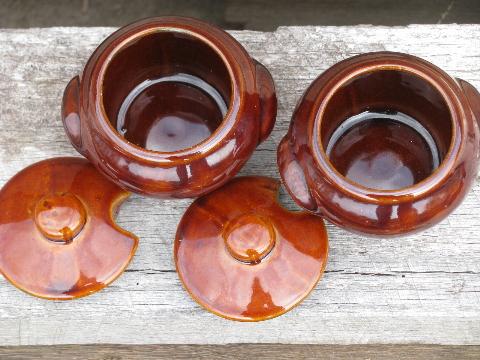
(242, 256)
(57, 237)
(382, 143)
(169, 107)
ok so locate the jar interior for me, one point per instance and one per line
(166, 91)
(386, 129)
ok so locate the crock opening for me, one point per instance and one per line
(166, 91)
(386, 129)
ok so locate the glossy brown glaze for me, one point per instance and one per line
(169, 107)
(387, 175)
(57, 236)
(242, 256)
(382, 154)
(170, 116)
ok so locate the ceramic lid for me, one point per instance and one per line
(57, 236)
(243, 256)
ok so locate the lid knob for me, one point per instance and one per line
(60, 217)
(249, 238)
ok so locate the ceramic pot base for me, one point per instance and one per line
(383, 144)
(383, 150)
(243, 256)
(171, 113)
(57, 236)
(169, 107)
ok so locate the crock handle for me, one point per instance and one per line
(268, 100)
(293, 176)
(473, 97)
(71, 114)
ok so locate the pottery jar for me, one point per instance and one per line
(169, 107)
(383, 144)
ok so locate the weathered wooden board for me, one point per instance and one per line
(240, 352)
(420, 289)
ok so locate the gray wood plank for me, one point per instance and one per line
(235, 14)
(419, 289)
(240, 352)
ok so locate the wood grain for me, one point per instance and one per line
(240, 352)
(419, 289)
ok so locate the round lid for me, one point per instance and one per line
(57, 236)
(243, 256)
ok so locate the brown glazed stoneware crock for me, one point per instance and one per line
(382, 144)
(169, 107)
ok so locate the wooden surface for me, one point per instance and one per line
(240, 351)
(419, 289)
(263, 15)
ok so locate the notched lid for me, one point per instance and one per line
(57, 236)
(243, 256)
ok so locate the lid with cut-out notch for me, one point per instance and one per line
(57, 236)
(243, 256)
